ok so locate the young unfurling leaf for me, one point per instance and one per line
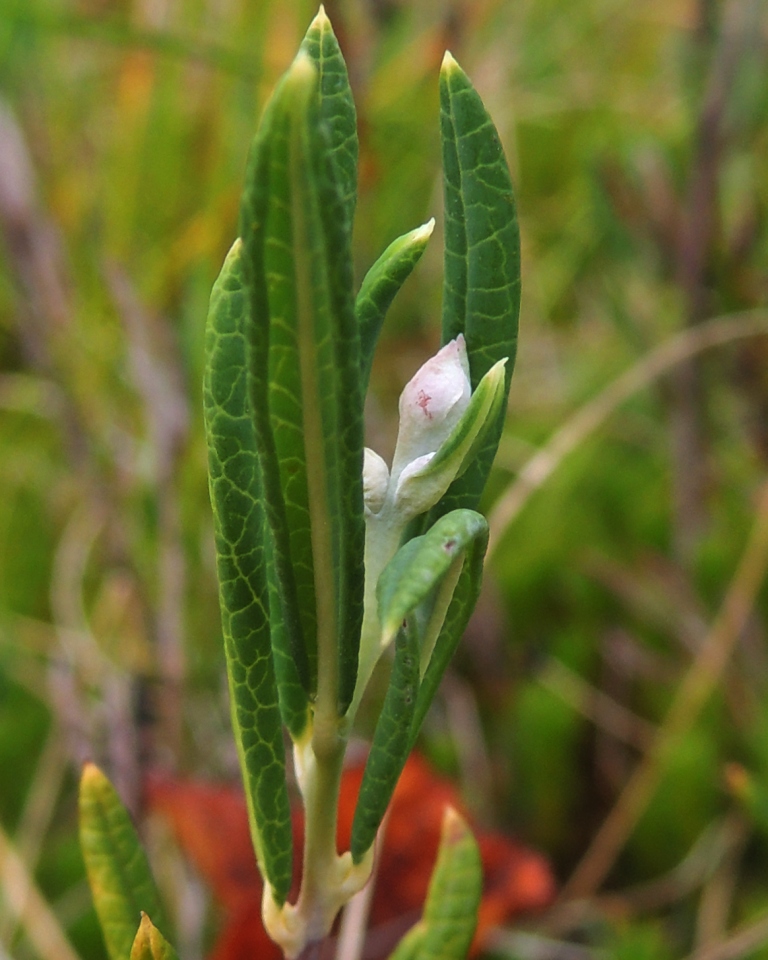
(425, 597)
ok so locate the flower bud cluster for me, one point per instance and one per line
(431, 407)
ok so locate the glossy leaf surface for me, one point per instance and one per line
(150, 944)
(481, 292)
(118, 872)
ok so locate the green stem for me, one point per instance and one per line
(320, 783)
(328, 880)
(383, 533)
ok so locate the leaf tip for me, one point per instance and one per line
(321, 18)
(91, 775)
(234, 253)
(454, 828)
(449, 63)
(424, 232)
(498, 370)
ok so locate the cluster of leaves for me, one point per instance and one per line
(599, 112)
(289, 355)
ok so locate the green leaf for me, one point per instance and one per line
(150, 944)
(337, 106)
(481, 293)
(390, 747)
(305, 382)
(459, 609)
(449, 921)
(418, 567)
(292, 600)
(243, 554)
(117, 867)
(409, 946)
(380, 286)
(429, 586)
(292, 694)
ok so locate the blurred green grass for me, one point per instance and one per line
(136, 116)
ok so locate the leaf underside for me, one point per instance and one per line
(421, 563)
(457, 616)
(459, 534)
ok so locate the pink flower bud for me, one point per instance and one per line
(432, 404)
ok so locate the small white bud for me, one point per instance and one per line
(412, 495)
(375, 480)
(432, 404)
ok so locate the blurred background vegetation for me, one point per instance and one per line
(610, 703)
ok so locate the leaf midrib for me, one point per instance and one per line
(317, 477)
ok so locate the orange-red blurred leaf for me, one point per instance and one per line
(211, 826)
(210, 823)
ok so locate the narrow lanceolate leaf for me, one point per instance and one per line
(449, 921)
(443, 638)
(380, 286)
(292, 609)
(150, 944)
(416, 570)
(243, 555)
(337, 106)
(430, 585)
(481, 293)
(390, 747)
(305, 382)
(117, 868)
